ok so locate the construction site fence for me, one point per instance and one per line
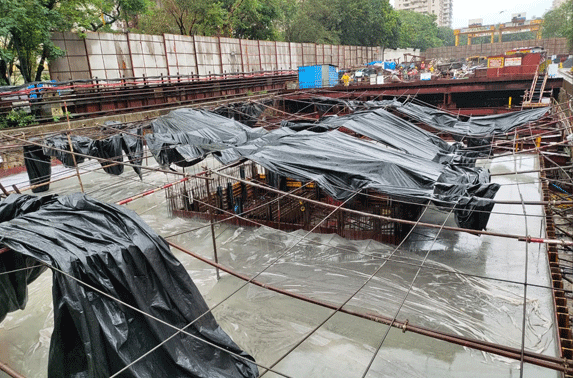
(553, 46)
(114, 56)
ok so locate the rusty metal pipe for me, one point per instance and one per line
(11, 372)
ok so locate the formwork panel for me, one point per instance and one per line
(295, 55)
(208, 55)
(231, 55)
(180, 54)
(268, 55)
(283, 56)
(148, 55)
(75, 63)
(251, 55)
(308, 54)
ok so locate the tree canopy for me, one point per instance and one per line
(357, 22)
(418, 30)
(558, 22)
(27, 25)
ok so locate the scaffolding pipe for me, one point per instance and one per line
(11, 372)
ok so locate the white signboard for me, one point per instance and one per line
(513, 61)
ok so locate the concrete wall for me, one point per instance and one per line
(114, 56)
(552, 45)
(398, 54)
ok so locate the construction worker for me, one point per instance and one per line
(346, 79)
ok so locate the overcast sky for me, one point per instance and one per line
(494, 11)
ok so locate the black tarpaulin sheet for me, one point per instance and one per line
(38, 167)
(111, 249)
(109, 149)
(480, 127)
(387, 128)
(247, 113)
(326, 104)
(341, 164)
(185, 136)
(132, 144)
(80, 144)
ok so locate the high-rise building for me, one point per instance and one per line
(441, 8)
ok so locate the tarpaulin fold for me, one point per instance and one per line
(481, 127)
(341, 165)
(247, 113)
(185, 136)
(54, 145)
(109, 149)
(423, 169)
(112, 250)
(387, 128)
(39, 168)
(132, 145)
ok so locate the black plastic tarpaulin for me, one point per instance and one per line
(109, 149)
(480, 127)
(39, 168)
(132, 144)
(58, 145)
(185, 136)
(113, 251)
(341, 164)
(247, 113)
(387, 128)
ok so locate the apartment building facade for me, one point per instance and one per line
(441, 8)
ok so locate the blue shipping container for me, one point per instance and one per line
(319, 76)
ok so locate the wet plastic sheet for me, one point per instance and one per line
(184, 136)
(387, 128)
(341, 164)
(38, 167)
(247, 113)
(132, 145)
(114, 251)
(54, 145)
(110, 149)
(481, 127)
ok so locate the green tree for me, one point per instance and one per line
(368, 23)
(25, 28)
(357, 22)
(446, 35)
(314, 22)
(252, 19)
(27, 25)
(97, 15)
(185, 17)
(418, 30)
(558, 22)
